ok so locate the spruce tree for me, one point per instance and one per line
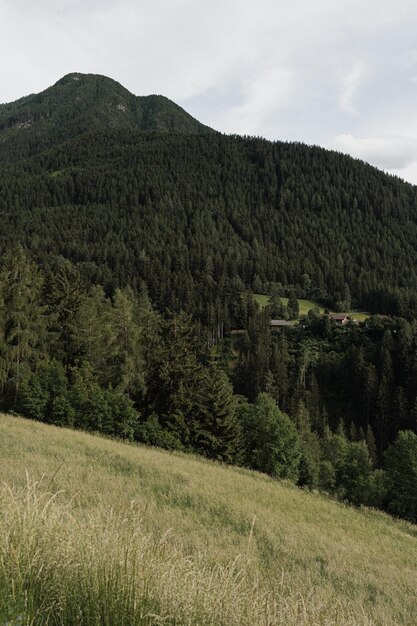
(400, 463)
(64, 293)
(92, 324)
(23, 323)
(125, 364)
(216, 431)
(293, 306)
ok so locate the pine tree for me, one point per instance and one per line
(310, 448)
(64, 294)
(280, 362)
(293, 306)
(92, 321)
(399, 409)
(383, 400)
(125, 365)
(23, 321)
(150, 323)
(216, 431)
(370, 442)
(276, 309)
(92, 411)
(401, 467)
(175, 377)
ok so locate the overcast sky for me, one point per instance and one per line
(340, 74)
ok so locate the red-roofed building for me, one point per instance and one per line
(340, 318)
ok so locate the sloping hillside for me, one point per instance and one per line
(93, 531)
(134, 190)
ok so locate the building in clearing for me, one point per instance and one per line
(277, 324)
(340, 318)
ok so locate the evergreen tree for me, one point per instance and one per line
(276, 309)
(124, 417)
(64, 294)
(173, 383)
(310, 448)
(400, 463)
(370, 442)
(92, 323)
(383, 400)
(293, 307)
(216, 431)
(125, 365)
(44, 395)
(92, 411)
(272, 442)
(22, 322)
(280, 363)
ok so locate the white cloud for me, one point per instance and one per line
(350, 87)
(260, 98)
(388, 152)
(408, 173)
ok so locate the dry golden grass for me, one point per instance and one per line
(97, 532)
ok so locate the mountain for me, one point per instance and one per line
(95, 531)
(134, 191)
(128, 251)
(83, 102)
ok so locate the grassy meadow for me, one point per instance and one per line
(99, 532)
(307, 305)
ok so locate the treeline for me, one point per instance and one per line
(355, 376)
(352, 393)
(73, 356)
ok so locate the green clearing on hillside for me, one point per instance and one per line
(95, 531)
(307, 305)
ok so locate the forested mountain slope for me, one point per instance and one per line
(134, 190)
(130, 240)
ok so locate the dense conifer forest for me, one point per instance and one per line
(132, 238)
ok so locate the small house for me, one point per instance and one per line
(340, 318)
(277, 324)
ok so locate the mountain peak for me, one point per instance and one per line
(79, 79)
(79, 103)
